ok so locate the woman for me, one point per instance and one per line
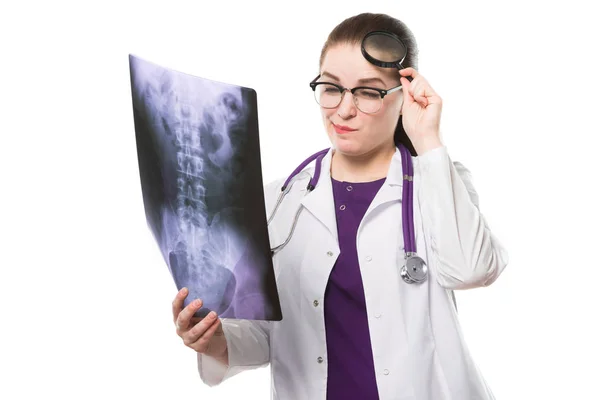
(352, 328)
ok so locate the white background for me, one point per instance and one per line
(85, 295)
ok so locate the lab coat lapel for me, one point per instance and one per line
(392, 188)
(320, 202)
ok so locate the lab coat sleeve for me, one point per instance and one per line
(248, 341)
(466, 254)
(248, 348)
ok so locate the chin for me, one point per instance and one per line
(347, 145)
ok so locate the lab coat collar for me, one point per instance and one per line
(395, 174)
(320, 202)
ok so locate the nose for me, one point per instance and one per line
(347, 108)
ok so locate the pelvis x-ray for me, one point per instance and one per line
(199, 160)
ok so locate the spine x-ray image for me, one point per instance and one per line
(199, 160)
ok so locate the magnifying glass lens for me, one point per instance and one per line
(384, 49)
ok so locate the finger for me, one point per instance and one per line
(427, 90)
(408, 99)
(193, 321)
(415, 86)
(419, 93)
(178, 302)
(202, 344)
(183, 320)
(200, 329)
(425, 87)
(424, 93)
(409, 72)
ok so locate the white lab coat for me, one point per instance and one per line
(418, 348)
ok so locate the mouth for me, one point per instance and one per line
(341, 129)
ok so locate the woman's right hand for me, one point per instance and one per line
(205, 335)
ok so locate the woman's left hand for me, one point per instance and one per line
(421, 111)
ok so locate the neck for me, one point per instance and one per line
(366, 167)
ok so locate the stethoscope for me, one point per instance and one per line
(414, 269)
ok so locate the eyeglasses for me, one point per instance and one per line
(366, 99)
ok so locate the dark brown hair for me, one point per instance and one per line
(353, 29)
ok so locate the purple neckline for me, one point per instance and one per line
(357, 183)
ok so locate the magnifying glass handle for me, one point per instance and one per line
(400, 67)
(409, 78)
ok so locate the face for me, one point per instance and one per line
(351, 131)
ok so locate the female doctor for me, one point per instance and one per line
(360, 321)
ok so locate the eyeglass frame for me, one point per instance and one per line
(383, 92)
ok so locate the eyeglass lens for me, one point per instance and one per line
(366, 100)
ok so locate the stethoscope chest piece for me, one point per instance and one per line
(414, 270)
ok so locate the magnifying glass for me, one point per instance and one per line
(384, 49)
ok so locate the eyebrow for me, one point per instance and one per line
(361, 81)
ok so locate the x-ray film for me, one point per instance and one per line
(200, 169)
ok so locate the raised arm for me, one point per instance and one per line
(466, 254)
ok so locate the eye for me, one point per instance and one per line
(368, 94)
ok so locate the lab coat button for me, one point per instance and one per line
(378, 316)
(329, 253)
(386, 372)
(320, 360)
(316, 303)
(369, 258)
